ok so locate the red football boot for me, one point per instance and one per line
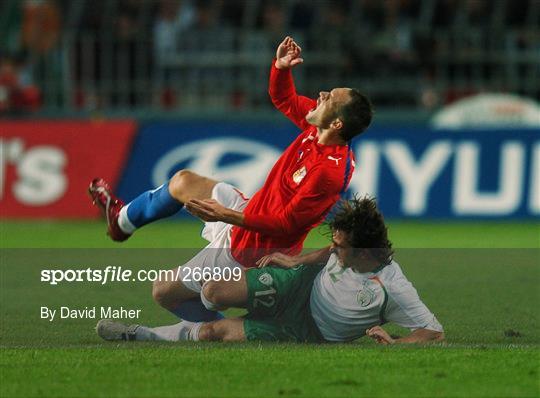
(110, 207)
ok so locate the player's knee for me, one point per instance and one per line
(161, 294)
(212, 296)
(180, 183)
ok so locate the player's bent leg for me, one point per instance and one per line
(179, 291)
(219, 295)
(186, 185)
(182, 299)
(230, 329)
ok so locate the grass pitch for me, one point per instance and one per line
(480, 279)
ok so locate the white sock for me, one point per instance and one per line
(183, 330)
(124, 223)
(193, 333)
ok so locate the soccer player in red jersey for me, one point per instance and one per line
(298, 193)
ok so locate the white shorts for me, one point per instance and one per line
(218, 252)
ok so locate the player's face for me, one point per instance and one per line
(327, 107)
(349, 257)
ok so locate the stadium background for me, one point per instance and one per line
(133, 90)
(188, 79)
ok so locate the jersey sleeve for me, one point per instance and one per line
(283, 94)
(407, 310)
(308, 207)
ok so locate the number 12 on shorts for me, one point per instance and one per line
(264, 298)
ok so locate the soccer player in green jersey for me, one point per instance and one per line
(336, 294)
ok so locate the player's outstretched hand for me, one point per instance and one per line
(288, 54)
(278, 259)
(380, 335)
(208, 210)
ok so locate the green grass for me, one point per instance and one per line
(487, 299)
(204, 370)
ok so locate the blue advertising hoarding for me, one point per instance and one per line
(413, 171)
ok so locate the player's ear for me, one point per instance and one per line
(337, 124)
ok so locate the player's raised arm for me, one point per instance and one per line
(281, 86)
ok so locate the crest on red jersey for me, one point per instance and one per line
(299, 174)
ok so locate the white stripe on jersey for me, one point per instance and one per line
(345, 303)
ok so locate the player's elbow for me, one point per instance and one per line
(276, 99)
(275, 102)
(272, 92)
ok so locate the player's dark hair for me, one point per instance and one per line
(356, 115)
(364, 225)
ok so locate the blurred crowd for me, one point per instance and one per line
(134, 41)
(30, 29)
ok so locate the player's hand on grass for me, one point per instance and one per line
(288, 54)
(278, 259)
(380, 335)
(208, 210)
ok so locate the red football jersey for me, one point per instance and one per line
(301, 188)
